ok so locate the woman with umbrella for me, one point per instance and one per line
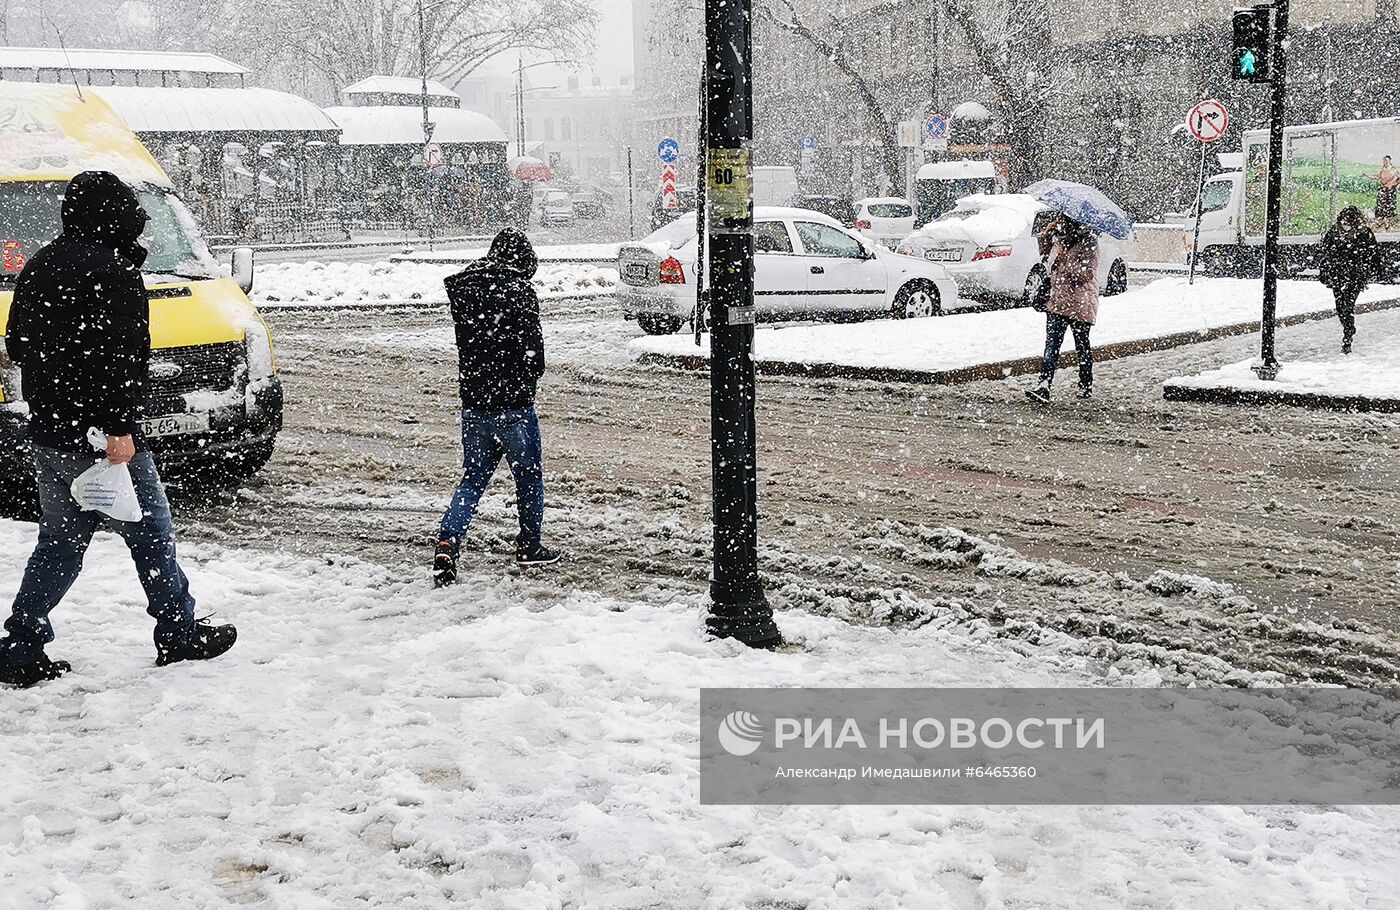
(1071, 254)
(1072, 261)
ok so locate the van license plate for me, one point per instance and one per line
(636, 272)
(175, 424)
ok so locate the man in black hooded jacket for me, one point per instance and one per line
(79, 331)
(500, 351)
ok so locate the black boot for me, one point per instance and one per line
(201, 642)
(529, 557)
(444, 564)
(33, 672)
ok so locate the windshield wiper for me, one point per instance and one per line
(180, 275)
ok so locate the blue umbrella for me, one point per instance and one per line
(1085, 204)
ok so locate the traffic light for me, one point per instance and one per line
(1253, 39)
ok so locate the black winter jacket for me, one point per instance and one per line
(79, 327)
(1350, 259)
(500, 348)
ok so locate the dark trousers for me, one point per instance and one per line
(1345, 297)
(64, 534)
(1055, 328)
(486, 439)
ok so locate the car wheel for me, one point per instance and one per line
(656, 324)
(1035, 286)
(917, 300)
(1117, 279)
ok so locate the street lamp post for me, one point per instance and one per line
(738, 608)
(429, 197)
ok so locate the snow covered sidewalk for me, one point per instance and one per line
(1366, 380)
(373, 743)
(966, 347)
(307, 285)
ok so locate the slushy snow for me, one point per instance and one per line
(371, 742)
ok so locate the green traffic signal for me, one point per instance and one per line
(1253, 32)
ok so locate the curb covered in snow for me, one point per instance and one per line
(1224, 394)
(1005, 368)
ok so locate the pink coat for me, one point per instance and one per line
(1074, 280)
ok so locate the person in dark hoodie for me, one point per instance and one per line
(500, 351)
(1351, 259)
(79, 332)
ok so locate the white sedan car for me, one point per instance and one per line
(988, 244)
(806, 264)
(885, 220)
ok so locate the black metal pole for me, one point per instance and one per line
(1278, 109)
(702, 146)
(738, 608)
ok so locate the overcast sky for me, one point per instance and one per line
(611, 60)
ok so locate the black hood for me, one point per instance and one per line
(100, 208)
(512, 251)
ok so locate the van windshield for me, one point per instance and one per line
(30, 218)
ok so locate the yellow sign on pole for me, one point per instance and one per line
(729, 201)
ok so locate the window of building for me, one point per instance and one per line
(548, 129)
(566, 128)
(101, 77)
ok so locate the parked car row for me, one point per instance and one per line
(811, 261)
(565, 205)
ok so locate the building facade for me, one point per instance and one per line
(1110, 82)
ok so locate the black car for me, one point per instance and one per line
(843, 210)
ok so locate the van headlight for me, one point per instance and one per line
(262, 361)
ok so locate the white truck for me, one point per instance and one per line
(774, 185)
(940, 184)
(1326, 167)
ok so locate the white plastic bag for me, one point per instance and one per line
(106, 487)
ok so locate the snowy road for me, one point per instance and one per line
(529, 741)
(1294, 511)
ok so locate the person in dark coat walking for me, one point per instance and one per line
(1071, 253)
(79, 331)
(1351, 259)
(500, 351)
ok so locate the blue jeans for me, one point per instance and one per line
(486, 438)
(1055, 328)
(64, 534)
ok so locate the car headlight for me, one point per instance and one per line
(905, 249)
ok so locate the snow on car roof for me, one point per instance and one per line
(883, 200)
(49, 132)
(993, 219)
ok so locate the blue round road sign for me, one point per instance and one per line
(669, 151)
(809, 142)
(935, 127)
